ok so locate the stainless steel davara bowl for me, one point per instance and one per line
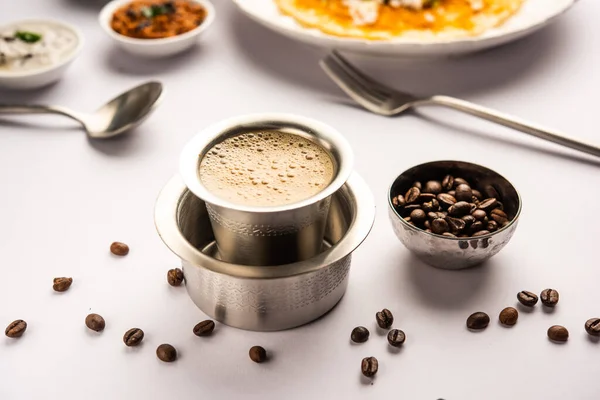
(447, 252)
(264, 298)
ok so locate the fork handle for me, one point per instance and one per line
(513, 122)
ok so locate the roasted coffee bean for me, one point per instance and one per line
(558, 333)
(360, 334)
(527, 298)
(396, 337)
(175, 277)
(476, 226)
(549, 297)
(448, 234)
(460, 209)
(410, 207)
(95, 322)
(448, 182)
(400, 200)
(478, 320)
(475, 200)
(492, 226)
(473, 207)
(477, 194)
(427, 224)
(428, 230)
(425, 197)
(418, 216)
(119, 249)
(435, 215)
(435, 204)
(407, 219)
(452, 193)
(418, 185)
(434, 187)
(460, 181)
(395, 202)
(480, 233)
(490, 192)
(446, 200)
(384, 318)
(464, 193)
(412, 195)
(166, 352)
(499, 216)
(479, 215)
(509, 316)
(369, 366)
(204, 328)
(428, 207)
(62, 284)
(469, 219)
(133, 337)
(16, 329)
(592, 326)
(488, 205)
(439, 226)
(258, 354)
(456, 225)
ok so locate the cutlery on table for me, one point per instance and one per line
(119, 115)
(383, 100)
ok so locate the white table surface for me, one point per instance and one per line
(64, 199)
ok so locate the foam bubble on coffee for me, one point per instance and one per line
(266, 168)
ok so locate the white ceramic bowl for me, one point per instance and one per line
(35, 78)
(155, 48)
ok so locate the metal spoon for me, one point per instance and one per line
(119, 115)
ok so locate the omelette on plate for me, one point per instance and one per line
(411, 19)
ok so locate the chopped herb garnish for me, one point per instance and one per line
(158, 9)
(28, 37)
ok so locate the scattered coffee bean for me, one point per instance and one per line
(95, 322)
(119, 249)
(448, 182)
(439, 226)
(369, 366)
(16, 329)
(592, 326)
(384, 318)
(412, 195)
(166, 352)
(204, 328)
(133, 337)
(478, 320)
(418, 216)
(434, 187)
(258, 354)
(464, 193)
(509, 316)
(360, 334)
(175, 277)
(549, 297)
(558, 333)
(527, 298)
(62, 284)
(396, 337)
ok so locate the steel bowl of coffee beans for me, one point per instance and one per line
(263, 298)
(453, 214)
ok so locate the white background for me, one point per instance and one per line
(64, 199)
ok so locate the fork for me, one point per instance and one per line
(383, 100)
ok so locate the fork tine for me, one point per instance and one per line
(368, 81)
(351, 87)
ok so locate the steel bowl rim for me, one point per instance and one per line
(167, 208)
(415, 229)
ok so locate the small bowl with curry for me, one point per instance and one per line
(156, 28)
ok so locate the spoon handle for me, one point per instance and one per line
(37, 109)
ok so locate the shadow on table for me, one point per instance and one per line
(444, 289)
(292, 61)
(87, 4)
(122, 62)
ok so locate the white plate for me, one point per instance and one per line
(534, 15)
